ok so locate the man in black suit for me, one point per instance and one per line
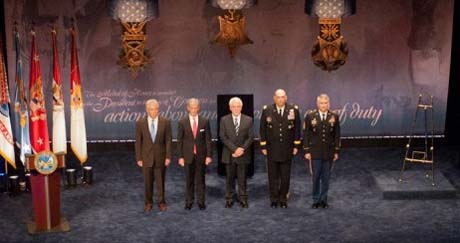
(279, 141)
(195, 152)
(322, 147)
(236, 133)
(153, 152)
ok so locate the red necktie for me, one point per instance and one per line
(194, 130)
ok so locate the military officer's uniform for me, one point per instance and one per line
(322, 141)
(279, 135)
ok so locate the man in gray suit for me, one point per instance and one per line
(236, 133)
(195, 152)
(153, 152)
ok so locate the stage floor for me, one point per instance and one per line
(111, 210)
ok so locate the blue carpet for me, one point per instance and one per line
(111, 210)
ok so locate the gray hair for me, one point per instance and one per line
(152, 102)
(282, 91)
(322, 96)
(193, 101)
(235, 100)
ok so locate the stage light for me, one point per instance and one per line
(232, 24)
(14, 185)
(87, 175)
(330, 50)
(133, 16)
(28, 185)
(71, 178)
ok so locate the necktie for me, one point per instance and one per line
(280, 112)
(194, 131)
(237, 126)
(324, 116)
(153, 132)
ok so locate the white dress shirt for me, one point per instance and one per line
(282, 110)
(191, 121)
(323, 115)
(238, 118)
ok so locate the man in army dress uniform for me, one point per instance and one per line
(279, 141)
(322, 146)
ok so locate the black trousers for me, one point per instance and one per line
(236, 172)
(157, 175)
(195, 181)
(279, 177)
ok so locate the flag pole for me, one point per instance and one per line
(7, 177)
(54, 36)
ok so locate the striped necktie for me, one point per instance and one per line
(237, 126)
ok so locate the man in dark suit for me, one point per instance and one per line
(279, 141)
(195, 152)
(153, 152)
(236, 133)
(322, 146)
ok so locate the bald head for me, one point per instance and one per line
(280, 97)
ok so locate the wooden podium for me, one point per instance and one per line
(46, 192)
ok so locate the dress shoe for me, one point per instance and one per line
(283, 205)
(188, 206)
(163, 207)
(244, 204)
(229, 204)
(324, 205)
(315, 205)
(274, 205)
(202, 206)
(147, 207)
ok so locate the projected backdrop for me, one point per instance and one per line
(397, 49)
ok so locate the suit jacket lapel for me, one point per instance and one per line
(146, 126)
(188, 125)
(232, 124)
(244, 121)
(201, 125)
(159, 126)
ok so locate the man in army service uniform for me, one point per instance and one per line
(279, 141)
(322, 146)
